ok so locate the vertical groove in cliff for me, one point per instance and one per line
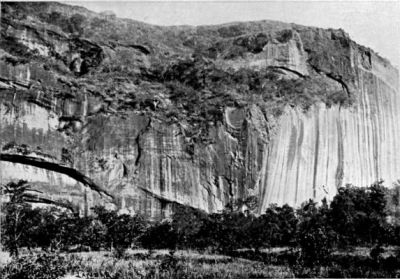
(316, 150)
(341, 144)
(339, 170)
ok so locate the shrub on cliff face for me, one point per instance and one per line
(251, 43)
(73, 24)
(284, 36)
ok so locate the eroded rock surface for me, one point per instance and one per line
(100, 110)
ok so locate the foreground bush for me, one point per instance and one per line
(356, 217)
(315, 236)
(351, 267)
(44, 266)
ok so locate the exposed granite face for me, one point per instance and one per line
(100, 110)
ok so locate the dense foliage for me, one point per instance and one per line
(45, 266)
(355, 217)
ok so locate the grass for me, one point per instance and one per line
(160, 264)
(184, 264)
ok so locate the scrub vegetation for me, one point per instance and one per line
(356, 235)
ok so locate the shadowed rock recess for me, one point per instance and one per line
(101, 110)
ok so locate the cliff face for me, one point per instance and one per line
(100, 110)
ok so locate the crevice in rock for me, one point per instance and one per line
(137, 141)
(40, 104)
(335, 77)
(316, 153)
(140, 48)
(68, 118)
(90, 56)
(339, 169)
(125, 172)
(340, 80)
(43, 164)
(287, 69)
(230, 184)
(162, 199)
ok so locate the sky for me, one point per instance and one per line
(375, 24)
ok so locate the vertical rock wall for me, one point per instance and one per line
(315, 152)
(140, 117)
